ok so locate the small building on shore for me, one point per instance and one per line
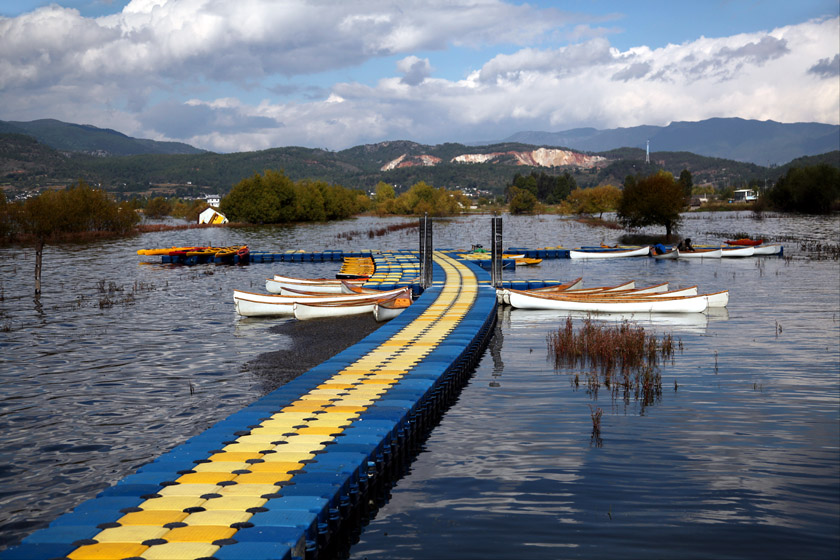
(744, 195)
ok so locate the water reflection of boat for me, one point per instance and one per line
(717, 314)
(690, 322)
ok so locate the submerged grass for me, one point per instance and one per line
(623, 358)
(377, 232)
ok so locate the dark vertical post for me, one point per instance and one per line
(430, 248)
(496, 252)
(422, 255)
(493, 256)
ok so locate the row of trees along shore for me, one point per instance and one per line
(273, 198)
(81, 212)
(659, 199)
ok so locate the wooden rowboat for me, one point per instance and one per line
(320, 310)
(728, 252)
(320, 285)
(600, 304)
(608, 253)
(714, 300)
(293, 280)
(631, 285)
(769, 249)
(574, 287)
(501, 293)
(387, 309)
(250, 304)
(701, 254)
(667, 255)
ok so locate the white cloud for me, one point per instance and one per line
(588, 85)
(152, 71)
(415, 70)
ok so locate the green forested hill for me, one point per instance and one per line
(26, 163)
(89, 139)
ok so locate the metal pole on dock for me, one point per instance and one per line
(426, 250)
(496, 251)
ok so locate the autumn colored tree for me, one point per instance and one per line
(596, 200)
(158, 207)
(261, 199)
(273, 198)
(384, 198)
(521, 201)
(79, 209)
(188, 210)
(423, 198)
(654, 200)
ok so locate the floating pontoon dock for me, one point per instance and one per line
(280, 478)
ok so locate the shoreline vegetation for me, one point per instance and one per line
(81, 213)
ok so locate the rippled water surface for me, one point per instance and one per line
(119, 361)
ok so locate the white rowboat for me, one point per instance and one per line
(318, 310)
(737, 252)
(277, 284)
(667, 255)
(250, 304)
(609, 254)
(686, 304)
(769, 249)
(701, 254)
(387, 309)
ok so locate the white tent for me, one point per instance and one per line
(211, 216)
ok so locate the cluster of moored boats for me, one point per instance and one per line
(319, 298)
(201, 254)
(664, 252)
(622, 298)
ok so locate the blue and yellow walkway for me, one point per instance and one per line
(278, 478)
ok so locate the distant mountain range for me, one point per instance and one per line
(88, 139)
(761, 142)
(48, 152)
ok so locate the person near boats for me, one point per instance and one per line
(685, 245)
(659, 249)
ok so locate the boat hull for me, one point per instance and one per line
(305, 312)
(736, 252)
(769, 249)
(608, 253)
(277, 284)
(667, 256)
(387, 310)
(690, 304)
(701, 254)
(249, 304)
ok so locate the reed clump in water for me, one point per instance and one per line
(377, 232)
(623, 358)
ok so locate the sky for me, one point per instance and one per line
(243, 75)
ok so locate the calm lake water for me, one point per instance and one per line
(740, 457)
